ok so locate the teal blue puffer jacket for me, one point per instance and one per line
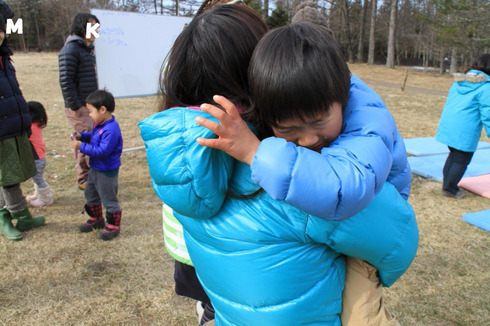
(467, 109)
(262, 261)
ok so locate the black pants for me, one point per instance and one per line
(187, 283)
(454, 168)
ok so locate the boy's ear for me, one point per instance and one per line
(103, 109)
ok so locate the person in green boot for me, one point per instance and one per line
(16, 157)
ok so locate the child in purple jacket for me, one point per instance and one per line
(104, 146)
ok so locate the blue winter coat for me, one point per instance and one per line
(345, 177)
(104, 146)
(262, 261)
(467, 109)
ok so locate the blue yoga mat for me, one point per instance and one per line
(430, 166)
(479, 219)
(429, 146)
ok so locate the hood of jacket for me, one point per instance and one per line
(470, 81)
(79, 40)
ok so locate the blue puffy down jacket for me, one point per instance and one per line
(262, 261)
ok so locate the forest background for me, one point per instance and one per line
(436, 34)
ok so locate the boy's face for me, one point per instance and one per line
(313, 133)
(99, 116)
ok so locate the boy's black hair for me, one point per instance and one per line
(79, 24)
(296, 72)
(482, 63)
(211, 57)
(38, 113)
(101, 98)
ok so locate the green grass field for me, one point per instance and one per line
(57, 276)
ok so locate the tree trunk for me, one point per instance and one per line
(346, 29)
(372, 28)
(266, 8)
(453, 68)
(390, 60)
(156, 7)
(176, 7)
(360, 46)
(38, 36)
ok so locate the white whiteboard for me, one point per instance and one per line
(131, 48)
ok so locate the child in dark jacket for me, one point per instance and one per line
(104, 146)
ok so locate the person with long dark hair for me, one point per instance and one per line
(260, 260)
(78, 79)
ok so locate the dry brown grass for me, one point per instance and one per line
(56, 276)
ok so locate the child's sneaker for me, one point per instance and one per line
(205, 314)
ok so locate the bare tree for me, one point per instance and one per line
(266, 8)
(346, 28)
(360, 46)
(372, 30)
(390, 60)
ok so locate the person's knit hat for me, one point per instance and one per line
(308, 12)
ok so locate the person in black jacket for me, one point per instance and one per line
(78, 79)
(16, 157)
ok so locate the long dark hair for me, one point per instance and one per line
(482, 63)
(79, 24)
(38, 113)
(211, 56)
(296, 72)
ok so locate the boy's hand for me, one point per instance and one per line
(76, 135)
(235, 137)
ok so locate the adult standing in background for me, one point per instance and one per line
(78, 79)
(467, 109)
(16, 157)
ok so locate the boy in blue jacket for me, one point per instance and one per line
(104, 146)
(322, 130)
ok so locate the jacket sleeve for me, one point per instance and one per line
(68, 63)
(485, 107)
(105, 148)
(385, 234)
(345, 177)
(333, 185)
(85, 137)
(190, 178)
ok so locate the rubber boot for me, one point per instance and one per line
(96, 220)
(25, 221)
(113, 226)
(30, 198)
(44, 198)
(6, 226)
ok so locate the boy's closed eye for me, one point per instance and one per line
(315, 133)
